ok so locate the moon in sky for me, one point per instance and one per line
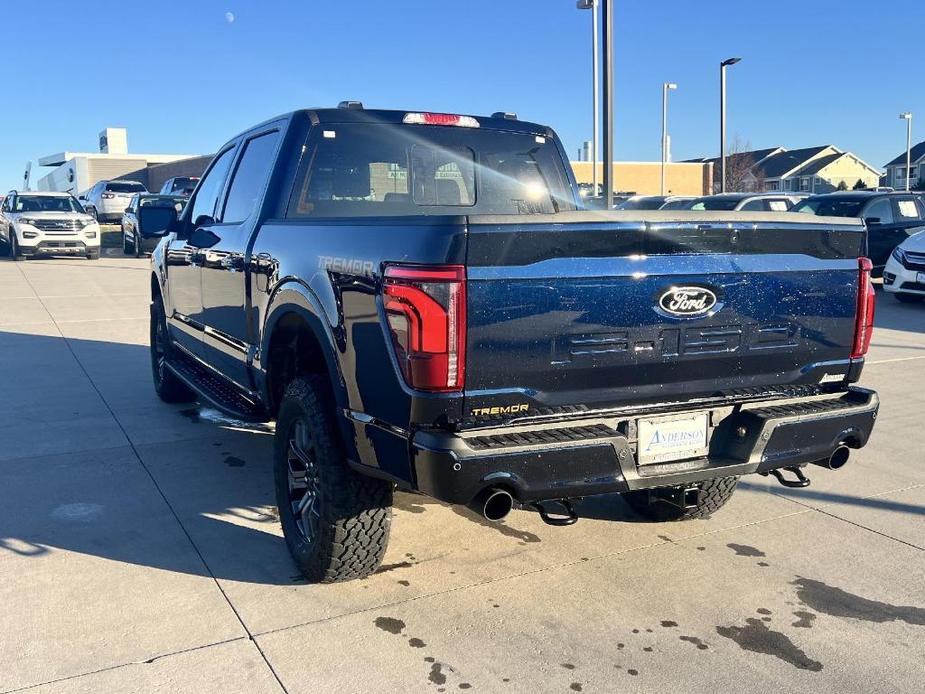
(229, 17)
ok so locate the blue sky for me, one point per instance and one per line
(183, 78)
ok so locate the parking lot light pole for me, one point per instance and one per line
(595, 91)
(607, 17)
(722, 119)
(666, 87)
(907, 116)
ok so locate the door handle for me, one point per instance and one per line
(233, 262)
(197, 258)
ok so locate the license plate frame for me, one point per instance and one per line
(672, 438)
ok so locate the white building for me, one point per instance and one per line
(76, 172)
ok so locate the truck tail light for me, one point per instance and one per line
(426, 312)
(864, 319)
(440, 119)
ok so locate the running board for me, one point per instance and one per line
(214, 389)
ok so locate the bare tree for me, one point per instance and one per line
(742, 174)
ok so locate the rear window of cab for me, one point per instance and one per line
(363, 170)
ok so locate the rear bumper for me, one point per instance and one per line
(587, 457)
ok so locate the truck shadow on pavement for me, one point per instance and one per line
(177, 488)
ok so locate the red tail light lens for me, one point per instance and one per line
(426, 312)
(864, 320)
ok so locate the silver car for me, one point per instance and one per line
(107, 200)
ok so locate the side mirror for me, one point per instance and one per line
(156, 221)
(203, 238)
(872, 220)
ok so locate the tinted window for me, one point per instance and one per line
(387, 170)
(754, 206)
(646, 203)
(45, 203)
(125, 187)
(717, 204)
(250, 177)
(830, 207)
(880, 209)
(676, 205)
(204, 204)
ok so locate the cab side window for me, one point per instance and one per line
(881, 210)
(753, 206)
(210, 188)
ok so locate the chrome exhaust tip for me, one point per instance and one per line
(493, 504)
(837, 460)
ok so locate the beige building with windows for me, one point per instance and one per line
(645, 177)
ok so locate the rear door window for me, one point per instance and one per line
(250, 177)
(881, 210)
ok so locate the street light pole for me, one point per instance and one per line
(595, 90)
(608, 103)
(907, 116)
(722, 119)
(666, 87)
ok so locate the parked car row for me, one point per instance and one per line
(893, 219)
(107, 200)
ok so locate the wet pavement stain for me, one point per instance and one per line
(621, 646)
(665, 538)
(390, 624)
(632, 672)
(669, 623)
(568, 666)
(763, 610)
(696, 641)
(701, 549)
(391, 567)
(648, 649)
(234, 461)
(763, 564)
(465, 685)
(746, 550)
(416, 643)
(404, 583)
(575, 686)
(840, 603)
(755, 636)
(429, 659)
(436, 674)
(805, 619)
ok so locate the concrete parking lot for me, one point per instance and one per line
(139, 549)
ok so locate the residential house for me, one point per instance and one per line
(819, 169)
(896, 169)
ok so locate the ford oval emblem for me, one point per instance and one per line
(687, 301)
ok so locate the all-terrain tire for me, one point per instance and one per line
(125, 247)
(713, 496)
(15, 253)
(93, 254)
(351, 513)
(169, 388)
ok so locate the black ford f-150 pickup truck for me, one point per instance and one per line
(417, 300)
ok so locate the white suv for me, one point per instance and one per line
(107, 200)
(33, 224)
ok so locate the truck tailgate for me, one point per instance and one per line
(599, 310)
